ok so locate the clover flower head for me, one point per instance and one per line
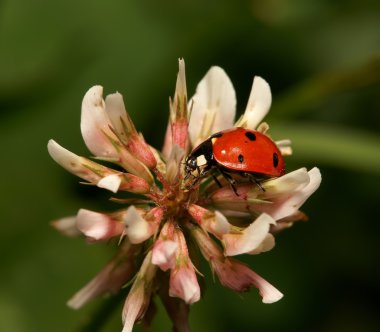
(155, 235)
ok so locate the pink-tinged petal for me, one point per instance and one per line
(226, 199)
(164, 253)
(95, 124)
(111, 182)
(268, 292)
(134, 184)
(249, 239)
(137, 228)
(232, 273)
(67, 226)
(168, 141)
(284, 205)
(140, 294)
(125, 130)
(258, 105)
(213, 106)
(173, 165)
(240, 278)
(134, 166)
(95, 173)
(111, 278)
(183, 280)
(178, 110)
(79, 166)
(98, 226)
(184, 284)
(214, 222)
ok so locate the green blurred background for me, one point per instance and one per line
(322, 61)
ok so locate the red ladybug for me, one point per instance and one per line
(246, 152)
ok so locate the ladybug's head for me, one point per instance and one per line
(190, 165)
(199, 161)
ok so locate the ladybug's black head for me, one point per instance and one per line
(199, 161)
(190, 165)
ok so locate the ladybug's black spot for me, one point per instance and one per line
(217, 135)
(251, 136)
(240, 158)
(275, 159)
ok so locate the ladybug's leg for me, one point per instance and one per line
(216, 180)
(230, 179)
(253, 180)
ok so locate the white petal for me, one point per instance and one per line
(221, 225)
(266, 245)
(95, 124)
(287, 204)
(249, 239)
(213, 106)
(258, 105)
(110, 182)
(287, 183)
(136, 227)
(269, 293)
(97, 226)
(117, 113)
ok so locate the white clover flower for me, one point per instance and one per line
(171, 216)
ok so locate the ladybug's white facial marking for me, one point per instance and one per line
(201, 160)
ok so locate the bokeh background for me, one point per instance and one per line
(322, 61)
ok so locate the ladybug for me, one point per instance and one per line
(245, 152)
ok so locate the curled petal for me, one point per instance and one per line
(240, 278)
(67, 226)
(164, 254)
(232, 273)
(98, 226)
(267, 245)
(95, 124)
(184, 284)
(95, 173)
(79, 166)
(287, 183)
(213, 106)
(110, 279)
(214, 222)
(137, 228)
(111, 182)
(250, 239)
(258, 105)
(287, 203)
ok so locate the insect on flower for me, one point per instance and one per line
(241, 151)
(179, 208)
